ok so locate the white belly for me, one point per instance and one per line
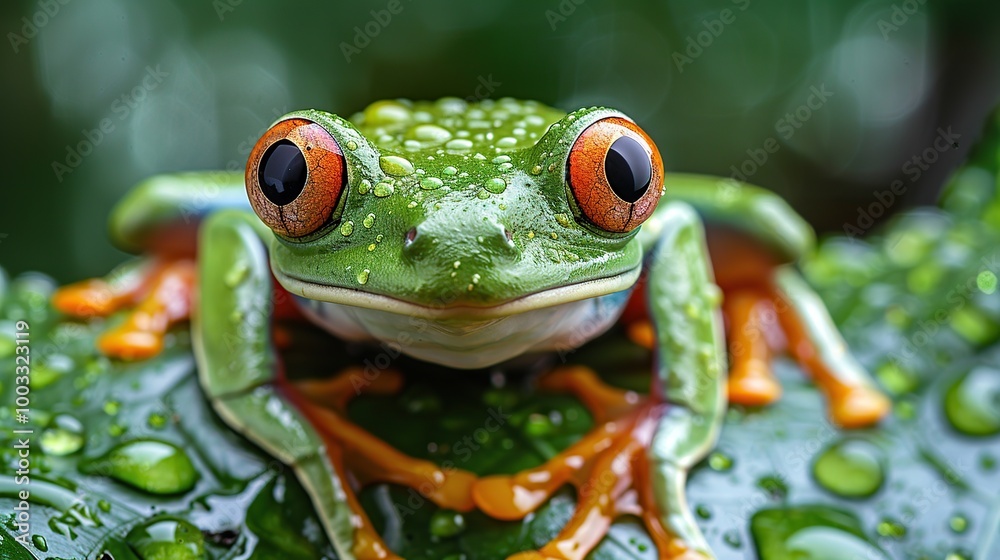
(471, 343)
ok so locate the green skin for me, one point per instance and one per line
(553, 256)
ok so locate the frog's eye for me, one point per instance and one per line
(615, 174)
(295, 176)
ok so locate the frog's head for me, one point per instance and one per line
(457, 212)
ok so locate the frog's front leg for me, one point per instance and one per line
(752, 238)
(636, 460)
(302, 424)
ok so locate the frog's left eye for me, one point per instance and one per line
(615, 174)
(295, 176)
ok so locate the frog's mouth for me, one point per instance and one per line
(537, 300)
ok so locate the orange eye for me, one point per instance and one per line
(295, 175)
(615, 174)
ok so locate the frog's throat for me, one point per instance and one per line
(538, 300)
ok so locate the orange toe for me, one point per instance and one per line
(90, 298)
(531, 555)
(130, 345)
(501, 498)
(753, 386)
(456, 491)
(859, 407)
(642, 333)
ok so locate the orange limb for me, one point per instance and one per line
(368, 544)
(369, 459)
(604, 402)
(162, 297)
(100, 297)
(852, 403)
(607, 466)
(751, 381)
(161, 293)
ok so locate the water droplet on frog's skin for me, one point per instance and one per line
(396, 166)
(496, 185)
(506, 142)
(431, 133)
(383, 190)
(363, 276)
(851, 468)
(431, 183)
(972, 403)
(347, 228)
(386, 112)
(369, 221)
(237, 274)
(719, 461)
(459, 144)
(63, 436)
(352, 145)
(450, 170)
(501, 159)
(364, 186)
(958, 524)
(167, 537)
(703, 511)
(536, 170)
(150, 465)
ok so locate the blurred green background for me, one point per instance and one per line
(101, 93)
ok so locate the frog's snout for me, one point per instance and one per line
(453, 240)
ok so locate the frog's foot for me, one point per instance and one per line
(751, 381)
(787, 315)
(158, 292)
(853, 399)
(608, 467)
(369, 459)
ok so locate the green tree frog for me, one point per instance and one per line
(466, 235)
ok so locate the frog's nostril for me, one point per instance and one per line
(411, 236)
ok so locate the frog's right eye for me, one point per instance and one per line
(295, 176)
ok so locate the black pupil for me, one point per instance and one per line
(628, 169)
(282, 172)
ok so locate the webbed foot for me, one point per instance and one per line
(368, 459)
(609, 468)
(156, 292)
